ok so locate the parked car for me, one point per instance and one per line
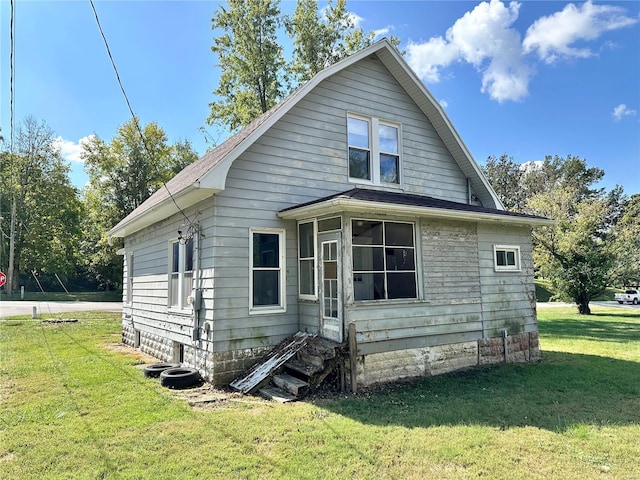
(631, 296)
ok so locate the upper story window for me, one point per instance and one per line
(506, 258)
(374, 150)
(181, 276)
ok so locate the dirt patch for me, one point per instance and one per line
(60, 320)
(121, 348)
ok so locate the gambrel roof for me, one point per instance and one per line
(207, 176)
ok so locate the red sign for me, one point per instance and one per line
(3, 279)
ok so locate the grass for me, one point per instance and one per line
(544, 292)
(73, 408)
(102, 296)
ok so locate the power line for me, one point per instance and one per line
(12, 68)
(133, 115)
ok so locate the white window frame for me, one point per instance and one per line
(515, 249)
(179, 280)
(281, 306)
(374, 150)
(129, 299)
(314, 295)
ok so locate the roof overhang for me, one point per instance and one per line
(341, 204)
(168, 206)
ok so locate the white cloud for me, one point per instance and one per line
(483, 37)
(71, 150)
(555, 36)
(444, 103)
(622, 111)
(382, 32)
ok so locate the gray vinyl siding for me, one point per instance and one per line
(508, 297)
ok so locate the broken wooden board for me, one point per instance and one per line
(274, 360)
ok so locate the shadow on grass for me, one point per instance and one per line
(562, 391)
(618, 331)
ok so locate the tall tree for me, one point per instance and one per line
(251, 60)
(42, 207)
(626, 244)
(122, 175)
(505, 176)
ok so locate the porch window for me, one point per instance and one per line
(307, 260)
(267, 267)
(181, 277)
(506, 258)
(374, 150)
(384, 263)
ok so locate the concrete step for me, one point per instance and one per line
(276, 394)
(291, 384)
(310, 358)
(322, 347)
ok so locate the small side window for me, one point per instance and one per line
(506, 258)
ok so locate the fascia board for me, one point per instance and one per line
(163, 210)
(338, 205)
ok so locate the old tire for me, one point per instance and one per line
(180, 377)
(154, 371)
(635, 301)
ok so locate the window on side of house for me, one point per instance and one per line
(506, 258)
(374, 150)
(129, 299)
(267, 271)
(181, 275)
(384, 260)
(307, 260)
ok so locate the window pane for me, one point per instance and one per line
(307, 277)
(511, 258)
(174, 288)
(389, 168)
(400, 259)
(305, 240)
(368, 286)
(266, 250)
(366, 233)
(501, 258)
(266, 289)
(359, 164)
(401, 285)
(188, 255)
(358, 132)
(329, 224)
(398, 234)
(175, 257)
(187, 286)
(388, 138)
(368, 259)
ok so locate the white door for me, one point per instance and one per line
(330, 282)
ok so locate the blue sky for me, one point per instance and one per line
(524, 78)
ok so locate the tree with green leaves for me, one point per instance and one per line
(576, 254)
(251, 60)
(626, 244)
(122, 175)
(41, 212)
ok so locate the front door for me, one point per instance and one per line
(330, 283)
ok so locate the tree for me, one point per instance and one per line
(122, 175)
(252, 79)
(575, 254)
(506, 176)
(43, 209)
(626, 244)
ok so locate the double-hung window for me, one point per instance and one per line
(267, 271)
(181, 276)
(384, 260)
(374, 150)
(506, 258)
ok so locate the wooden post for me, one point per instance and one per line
(353, 356)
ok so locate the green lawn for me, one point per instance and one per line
(73, 408)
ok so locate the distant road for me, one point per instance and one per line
(25, 307)
(601, 304)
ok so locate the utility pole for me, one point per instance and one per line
(12, 247)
